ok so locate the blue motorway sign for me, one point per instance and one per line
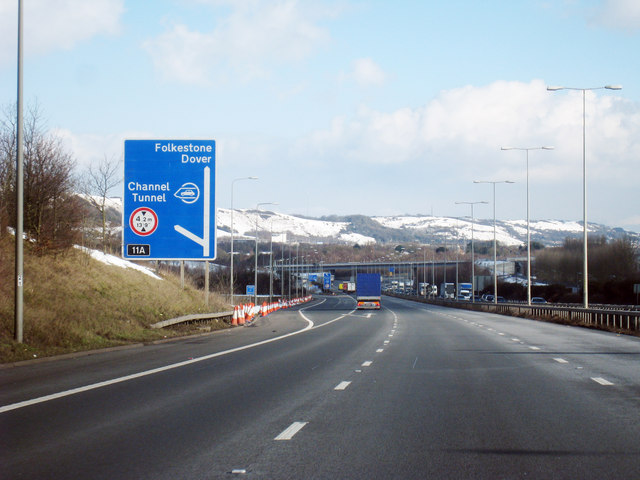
(327, 281)
(169, 200)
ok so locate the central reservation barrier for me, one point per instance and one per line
(627, 321)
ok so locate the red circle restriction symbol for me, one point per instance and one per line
(143, 221)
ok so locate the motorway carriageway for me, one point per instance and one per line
(325, 391)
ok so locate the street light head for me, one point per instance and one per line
(252, 178)
(548, 148)
(507, 148)
(613, 87)
(554, 88)
(508, 181)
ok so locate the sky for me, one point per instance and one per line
(352, 107)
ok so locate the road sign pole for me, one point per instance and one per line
(206, 283)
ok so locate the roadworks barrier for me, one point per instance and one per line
(241, 315)
(245, 314)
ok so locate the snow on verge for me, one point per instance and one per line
(116, 261)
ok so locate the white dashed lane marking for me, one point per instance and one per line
(601, 381)
(294, 428)
(342, 385)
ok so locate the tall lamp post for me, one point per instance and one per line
(495, 243)
(585, 268)
(19, 247)
(473, 262)
(232, 253)
(528, 229)
(255, 272)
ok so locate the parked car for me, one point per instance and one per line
(501, 299)
(538, 300)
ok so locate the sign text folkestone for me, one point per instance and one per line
(169, 200)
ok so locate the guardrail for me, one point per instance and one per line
(231, 316)
(192, 318)
(608, 319)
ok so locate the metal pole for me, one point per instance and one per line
(585, 278)
(231, 252)
(424, 270)
(473, 263)
(206, 282)
(231, 261)
(528, 216)
(255, 271)
(585, 268)
(255, 275)
(271, 266)
(457, 261)
(528, 240)
(495, 247)
(433, 270)
(495, 243)
(19, 274)
(289, 272)
(444, 281)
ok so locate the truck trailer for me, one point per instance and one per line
(464, 291)
(447, 290)
(368, 291)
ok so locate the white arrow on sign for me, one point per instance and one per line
(204, 241)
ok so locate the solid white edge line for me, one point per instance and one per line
(288, 433)
(86, 388)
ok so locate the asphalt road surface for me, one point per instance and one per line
(322, 391)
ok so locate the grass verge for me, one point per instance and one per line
(74, 303)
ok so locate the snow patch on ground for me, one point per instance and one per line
(117, 261)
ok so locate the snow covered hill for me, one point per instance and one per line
(421, 229)
(363, 230)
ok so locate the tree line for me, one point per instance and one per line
(55, 217)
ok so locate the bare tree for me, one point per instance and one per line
(8, 152)
(51, 214)
(97, 183)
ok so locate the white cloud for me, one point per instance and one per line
(249, 40)
(468, 125)
(619, 14)
(366, 72)
(53, 25)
